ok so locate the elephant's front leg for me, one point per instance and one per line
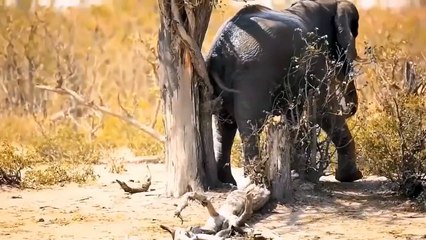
(338, 130)
(225, 131)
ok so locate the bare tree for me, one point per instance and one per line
(186, 93)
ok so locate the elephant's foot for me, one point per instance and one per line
(225, 176)
(348, 174)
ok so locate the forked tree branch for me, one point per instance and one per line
(128, 118)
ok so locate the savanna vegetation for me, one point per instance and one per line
(107, 55)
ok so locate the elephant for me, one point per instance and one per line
(251, 64)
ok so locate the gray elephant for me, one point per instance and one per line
(252, 63)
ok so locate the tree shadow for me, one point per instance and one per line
(312, 202)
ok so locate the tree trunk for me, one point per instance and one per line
(185, 88)
(279, 150)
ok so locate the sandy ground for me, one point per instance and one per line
(101, 210)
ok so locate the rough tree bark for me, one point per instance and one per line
(279, 149)
(186, 91)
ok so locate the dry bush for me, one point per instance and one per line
(391, 138)
(62, 157)
(58, 174)
(101, 52)
(389, 125)
(11, 164)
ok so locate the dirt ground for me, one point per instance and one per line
(101, 210)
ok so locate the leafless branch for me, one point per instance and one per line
(127, 118)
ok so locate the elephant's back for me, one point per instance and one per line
(255, 43)
(268, 18)
(256, 33)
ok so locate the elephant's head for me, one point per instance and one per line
(342, 31)
(346, 24)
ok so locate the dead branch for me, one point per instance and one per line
(232, 215)
(62, 114)
(128, 118)
(192, 196)
(145, 186)
(132, 190)
(171, 231)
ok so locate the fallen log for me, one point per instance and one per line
(231, 217)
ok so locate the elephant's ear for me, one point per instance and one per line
(346, 13)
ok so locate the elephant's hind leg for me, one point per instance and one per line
(226, 129)
(249, 132)
(337, 129)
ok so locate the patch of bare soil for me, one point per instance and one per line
(101, 210)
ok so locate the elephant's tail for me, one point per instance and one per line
(220, 83)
